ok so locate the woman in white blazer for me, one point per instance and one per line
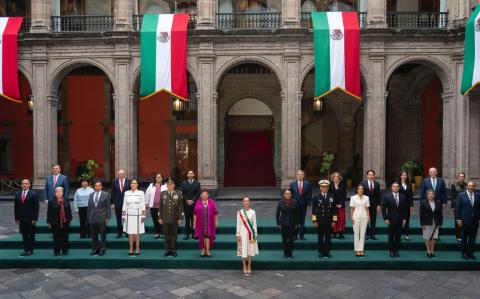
(152, 201)
(360, 215)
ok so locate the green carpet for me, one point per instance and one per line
(413, 256)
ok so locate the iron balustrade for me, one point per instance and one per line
(82, 23)
(417, 20)
(261, 20)
(137, 22)
(306, 20)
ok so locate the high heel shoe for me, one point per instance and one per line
(207, 253)
(137, 253)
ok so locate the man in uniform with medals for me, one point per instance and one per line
(170, 215)
(324, 216)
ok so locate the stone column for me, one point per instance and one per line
(459, 11)
(375, 119)
(449, 138)
(290, 13)
(206, 14)
(125, 119)
(123, 15)
(376, 14)
(41, 15)
(291, 115)
(44, 119)
(207, 118)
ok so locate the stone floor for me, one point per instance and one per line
(151, 283)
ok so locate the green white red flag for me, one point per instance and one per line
(9, 27)
(471, 65)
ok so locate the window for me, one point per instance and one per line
(82, 7)
(186, 155)
(166, 6)
(12, 8)
(249, 6)
(331, 5)
(4, 156)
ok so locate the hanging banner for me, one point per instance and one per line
(9, 28)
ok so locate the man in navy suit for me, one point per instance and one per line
(119, 186)
(302, 193)
(191, 192)
(436, 184)
(467, 215)
(394, 211)
(372, 190)
(53, 181)
(26, 216)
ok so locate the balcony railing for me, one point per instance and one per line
(137, 22)
(82, 23)
(26, 24)
(306, 20)
(417, 20)
(228, 21)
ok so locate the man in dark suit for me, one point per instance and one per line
(324, 216)
(26, 216)
(302, 193)
(191, 192)
(467, 215)
(436, 184)
(119, 186)
(98, 215)
(394, 211)
(53, 181)
(372, 190)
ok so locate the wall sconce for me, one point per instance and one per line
(30, 104)
(318, 105)
(178, 106)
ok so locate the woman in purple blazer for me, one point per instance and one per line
(205, 222)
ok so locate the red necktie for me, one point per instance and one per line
(300, 188)
(121, 185)
(371, 187)
(24, 196)
(54, 181)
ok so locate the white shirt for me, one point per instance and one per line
(360, 205)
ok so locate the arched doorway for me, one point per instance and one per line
(336, 128)
(86, 128)
(16, 134)
(249, 126)
(167, 140)
(414, 118)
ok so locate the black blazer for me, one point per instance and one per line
(287, 215)
(340, 193)
(408, 193)
(117, 195)
(374, 197)
(53, 212)
(390, 211)
(427, 215)
(101, 212)
(27, 211)
(190, 191)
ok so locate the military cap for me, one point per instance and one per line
(324, 182)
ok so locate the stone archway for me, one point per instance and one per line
(260, 83)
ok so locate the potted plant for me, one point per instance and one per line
(87, 170)
(327, 162)
(418, 175)
(411, 167)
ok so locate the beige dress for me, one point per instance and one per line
(133, 211)
(245, 247)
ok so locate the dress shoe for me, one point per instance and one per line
(118, 236)
(65, 252)
(28, 253)
(186, 237)
(174, 254)
(328, 255)
(373, 238)
(407, 238)
(94, 252)
(166, 254)
(126, 235)
(465, 256)
(367, 237)
(156, 236)
(23, 253)
(302, 238)
(341, 236)
(102, 252)
(320, 255)
(397, 254)
(392, 255)
(285, 257)
(471, 256)
(56, 254)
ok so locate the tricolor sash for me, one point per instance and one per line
(248, 225)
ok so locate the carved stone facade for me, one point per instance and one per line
(46, 58)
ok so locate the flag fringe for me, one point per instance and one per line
(10, 99)
(470, 89)
(338, 88)
(163, 90)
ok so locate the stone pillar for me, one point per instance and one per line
(41, 16)
(375, 119)
(459, 11)
(125, 120)
(123, 15)
(207, 118)
(449, 138)
(206, 14)
(291, 115)
(290, 13)
(44, 119)
(376, 14)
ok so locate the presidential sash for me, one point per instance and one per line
(248, 225)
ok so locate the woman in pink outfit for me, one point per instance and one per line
(205, 222)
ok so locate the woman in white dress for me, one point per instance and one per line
(247, 245)
(133, 213)
(360, 215)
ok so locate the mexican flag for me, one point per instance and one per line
(336, 38)
(163, 46)
(9, 28)
(471, 65)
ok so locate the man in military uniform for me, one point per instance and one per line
(324, 216)
(170, 215)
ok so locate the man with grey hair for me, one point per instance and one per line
(119, 186)
(435, 183)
